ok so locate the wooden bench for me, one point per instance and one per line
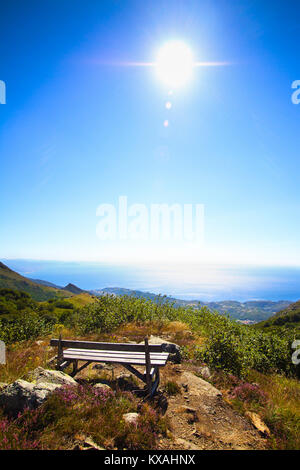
(126, 354)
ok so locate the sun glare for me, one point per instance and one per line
(174, 64)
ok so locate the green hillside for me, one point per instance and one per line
(288, 317)
(251, 311)
(9, 279)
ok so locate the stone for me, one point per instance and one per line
(102, 386)
(3, 385)
(22, 394)
(197, 386)
(258, 423)
(89, 444)
(50, 376)
(84, 442)
(130, 418)
(205, 372)
(104, 366)
(127, 381)
(185, 445)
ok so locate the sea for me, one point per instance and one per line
(183, 281)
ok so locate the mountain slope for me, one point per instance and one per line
(12, 280)
(44, 283)
(289, 317)
(253, 311)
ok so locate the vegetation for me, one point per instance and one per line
(251, 363)
(72, 410)
(229, 345)
(288, 318)
(172, 388)
(253, 311)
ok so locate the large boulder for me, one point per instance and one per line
(171, 348)
(33, 391)
(41, 375)
(22, 394)
(196, 386)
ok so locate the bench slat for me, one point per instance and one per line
(115, 359)
(105, 346)
(116, 353)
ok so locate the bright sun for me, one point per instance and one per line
(174, 64)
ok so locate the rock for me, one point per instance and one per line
(3, 385)
(104, 366)
(102, 386)
(172, 348)
(197, 386)
(42, 390)
(187, 409)
(205, 372)
(130, 418)
(258, 423)
(186, 445)
(85, 443)
(191, 412)
(127, 382)
(22, 394)
(50, 376)
(89, 444)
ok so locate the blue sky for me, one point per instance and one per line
(78, 131)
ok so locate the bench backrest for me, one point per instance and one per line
(133, 347)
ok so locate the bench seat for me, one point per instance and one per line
(117, 357)
(153, 356)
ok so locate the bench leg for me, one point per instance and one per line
(75, 368)
(155, 383)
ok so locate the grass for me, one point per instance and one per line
(81, 300)
(23, 357)
(60, 422)
(282, 413)
(172, 388)
(275, 397)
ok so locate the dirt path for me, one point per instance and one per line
(201, 419)
(198, 415)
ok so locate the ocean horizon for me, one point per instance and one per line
(188, 282)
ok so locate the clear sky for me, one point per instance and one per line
(80, 129)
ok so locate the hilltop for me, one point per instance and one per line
(73, 289)
(11, 280)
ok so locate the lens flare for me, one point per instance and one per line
(174, 64)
